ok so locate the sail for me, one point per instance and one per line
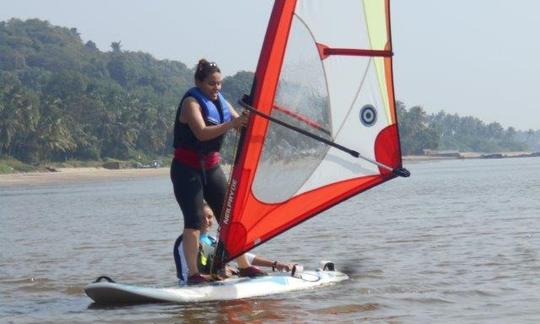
(324, 125)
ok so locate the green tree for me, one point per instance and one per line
(234, 87)
(19, 113)
(416, 133)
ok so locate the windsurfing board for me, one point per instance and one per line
(228, 289)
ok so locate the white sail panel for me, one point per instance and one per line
(335, 23)
(338, 165)
(331, 91)
(288, 159)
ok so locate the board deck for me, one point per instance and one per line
(232, 288)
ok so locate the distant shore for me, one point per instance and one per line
(449, 155)
(60, 175)
(77, 174)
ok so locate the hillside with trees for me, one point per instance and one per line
(64, 99)
(441, 131)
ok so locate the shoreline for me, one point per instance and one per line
(77, 174)
(62, 175)
(469, 155)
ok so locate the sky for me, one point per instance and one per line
(471, 57)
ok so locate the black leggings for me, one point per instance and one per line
(191, 186)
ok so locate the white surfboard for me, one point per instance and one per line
(233, 288)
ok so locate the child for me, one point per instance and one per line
(207, 244)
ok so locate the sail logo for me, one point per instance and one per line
(368, 115)
(230, 199)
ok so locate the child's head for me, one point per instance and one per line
(207, 218)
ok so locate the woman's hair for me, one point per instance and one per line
(205, 69)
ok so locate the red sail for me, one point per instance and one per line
(326, 69)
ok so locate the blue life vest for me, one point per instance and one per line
(212, 114)
(204, 238)
(207, 245)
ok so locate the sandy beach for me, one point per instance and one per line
(89, 174)
(77, 174)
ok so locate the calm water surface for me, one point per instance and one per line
(457, 242)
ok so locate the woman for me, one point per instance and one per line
(202, 119)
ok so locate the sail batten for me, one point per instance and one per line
(324, 77)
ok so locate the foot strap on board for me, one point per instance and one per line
(328, 266)
(101, 278)
(297, 271)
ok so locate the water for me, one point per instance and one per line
(457, 242)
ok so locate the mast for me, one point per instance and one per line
(266, 78)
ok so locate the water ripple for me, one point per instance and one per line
(459, 245)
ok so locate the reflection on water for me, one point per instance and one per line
(459, 241)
